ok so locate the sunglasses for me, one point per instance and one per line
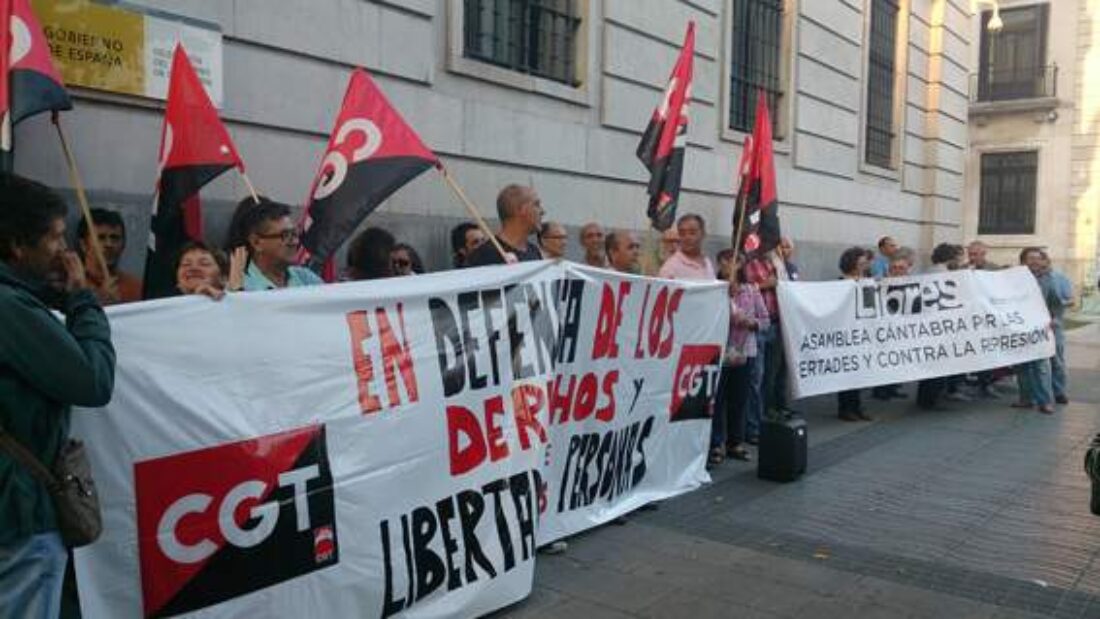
(401, 264)
(285, 236)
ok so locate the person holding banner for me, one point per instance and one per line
(853, 264)
(46, 367)
(689, 262)
(552, 240)
(945, 257)
(520, 211)
(624, 251)
(370, 255)
(272, 240)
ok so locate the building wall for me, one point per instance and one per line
(286, 65)
(1068, 199)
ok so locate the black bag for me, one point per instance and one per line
(70, 486)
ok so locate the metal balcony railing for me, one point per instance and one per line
(993, 84)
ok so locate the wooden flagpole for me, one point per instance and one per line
(82, 198)
(251, 187)
(471, 208)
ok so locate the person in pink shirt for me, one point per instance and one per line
(689, 263)
(732, 414)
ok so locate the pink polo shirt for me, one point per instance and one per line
(679, 266)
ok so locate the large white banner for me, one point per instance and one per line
(848, 334)
(398, 447)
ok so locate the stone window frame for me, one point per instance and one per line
(585, 65)
(901, 92)
(784, 121)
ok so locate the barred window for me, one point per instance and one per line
(1007, 202)
(756, 51)
(879, 133)
(1012, 61)
(537, 37)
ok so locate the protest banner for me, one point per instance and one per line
(398, 447)
(849, 334)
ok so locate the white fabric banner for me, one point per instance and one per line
(848, 334)
(398, 447)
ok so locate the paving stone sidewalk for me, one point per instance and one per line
(977, 511)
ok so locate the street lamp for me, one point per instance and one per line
(995, 23)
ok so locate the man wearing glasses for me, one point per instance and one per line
(272, 249)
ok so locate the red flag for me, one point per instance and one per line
(29, 83)
(662, 147)
(194, 149)
(756, 213)
(372, 152)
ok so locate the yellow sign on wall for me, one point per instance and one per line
(116, 49)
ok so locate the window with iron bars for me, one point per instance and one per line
(756, 52)
(1007, 201)
(879, 133)
(537, 37)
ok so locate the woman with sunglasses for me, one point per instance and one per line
(405, 260)
(271, 240)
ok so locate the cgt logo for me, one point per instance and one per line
(695, 381)
(217, 523)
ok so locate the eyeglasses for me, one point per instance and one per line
(285, 236)
(401, 264)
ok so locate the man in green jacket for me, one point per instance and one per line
(46, 366)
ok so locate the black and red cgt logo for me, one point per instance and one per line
(695, 382)
(217, 523)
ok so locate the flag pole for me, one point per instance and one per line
(251, 187)
(82, 198)
(472, 209)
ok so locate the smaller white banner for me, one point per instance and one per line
(849, 334)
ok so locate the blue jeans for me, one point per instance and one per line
(1034, 381)
(1058, 380)
(754, 402)
(31, 574)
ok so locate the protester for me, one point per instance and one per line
(1034, 377)
(901, 263)
(623, 251)
(670, 243)
(405, 260)
(110, 229)
(945, 257)
(553, 239)
(688, 262)
(1063, 290)
(520, 211)
(592, 239)
(766, 270)
(370, 255)
(733, 418)
(201, 269)
(976, 255)
(46, 367)
(880, 264)
(465, 238)
(272, 241)
(852, 265)
(785, 251)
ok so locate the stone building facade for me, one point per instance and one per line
(869, 99)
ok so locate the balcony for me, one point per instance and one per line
(1026, 89)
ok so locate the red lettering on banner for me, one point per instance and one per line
(527, 401)
(498, 447)
(364, 369)
(656, 338)
(582, 396)
(607, 413)
(396, 357)
(561, 404)
(461, 423)
(604, 344)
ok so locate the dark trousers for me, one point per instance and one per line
(849, 402)
(775, 374)
(929, 392)
(728, 424)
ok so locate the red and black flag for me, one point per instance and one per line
(29, 83)
(194, 149)
(372, 152)
(756, 212)
(662, 145)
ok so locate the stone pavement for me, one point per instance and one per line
(977, 511)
